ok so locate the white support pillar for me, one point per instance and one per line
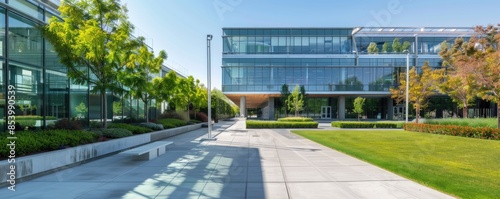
(341, 107)
(243, 107)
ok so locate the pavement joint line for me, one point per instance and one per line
(281, 167)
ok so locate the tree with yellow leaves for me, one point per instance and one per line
(422, 86)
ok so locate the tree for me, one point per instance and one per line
(184, 93)
(359, 102)
(372, 48)
(460, 84)
(200, 97)
(285, 93)
(406, 46)
(304, 95)
(421, 87)
(165, 87)
(81, 110)
(137, 74)
(93, 36)
(385, 47)
(295, 101)
(486, 57)
(396, 46)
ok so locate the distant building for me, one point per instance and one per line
(333, 64)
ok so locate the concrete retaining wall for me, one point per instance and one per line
(31, 165)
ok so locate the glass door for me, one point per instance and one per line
(326, 112)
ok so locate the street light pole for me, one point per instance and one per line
(209, 38)
(407, 82)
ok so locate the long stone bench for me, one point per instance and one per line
(148, 151)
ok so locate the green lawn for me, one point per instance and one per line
(464, 167)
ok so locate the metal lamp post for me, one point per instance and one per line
(407, 83)
(209, 38)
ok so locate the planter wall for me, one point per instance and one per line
(32, 165)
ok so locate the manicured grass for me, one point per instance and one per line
(464, 167)
(472, 122)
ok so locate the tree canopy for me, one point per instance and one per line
(93, 38)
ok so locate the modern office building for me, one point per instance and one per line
(335, 65)
(43, 93)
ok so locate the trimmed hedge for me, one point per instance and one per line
(296, 119)
(152, 126)
(132, 128)
(274, 124)
(171, 123)
(364, 125)
(464, 131)
(115, 133)
(30, 142)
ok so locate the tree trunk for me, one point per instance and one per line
(146, 114)
(417, 113)
(465, 112)
(498, 115)
(104, 107)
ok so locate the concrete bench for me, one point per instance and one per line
(148, 151)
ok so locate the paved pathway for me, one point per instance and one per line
(240, 164)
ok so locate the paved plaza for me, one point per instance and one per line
(241, 163)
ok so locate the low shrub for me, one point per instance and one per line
(274, 124)
(68, 124)
(152, 126)
(171, 123)
(130, 120)
(201, 116)
(115, 133)
(364, 125)
(132, 128)
(31, 142)
(464, 131)
(193, 122)
(171, 115)
(22, 125)
(296, 119)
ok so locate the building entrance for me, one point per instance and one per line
(326, 112)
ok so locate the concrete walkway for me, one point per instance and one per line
(242, 163)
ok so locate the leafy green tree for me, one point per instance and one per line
(422, 86)
(385, 47)
(284, 97)
(304, 95)
(295, 101)
(137, 74)
(165, 87)
(396, 45)
(93, 35)
(372, 48)
(81, 110)
(200, 97)
(117, 108)
(406, 46)
(185, 93)
(359, 104)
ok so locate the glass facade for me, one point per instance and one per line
(44, 93)
(329, 63)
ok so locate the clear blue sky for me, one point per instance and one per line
(180, 26)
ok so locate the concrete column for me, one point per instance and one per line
(270, 105)
(390, 107)
(243, 107)
(341, 107)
